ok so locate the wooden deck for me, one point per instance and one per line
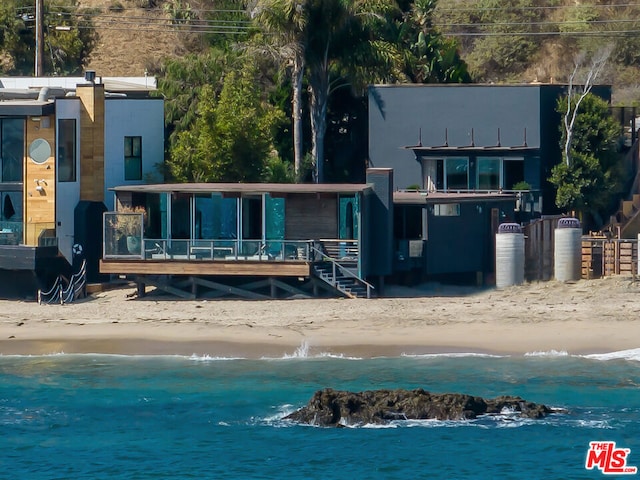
(206, 268)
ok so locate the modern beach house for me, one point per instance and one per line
(464, 138)
(253, 240)
(64, 142)
(465, 159)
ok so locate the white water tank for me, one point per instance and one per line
(567, 256)
(509, 255)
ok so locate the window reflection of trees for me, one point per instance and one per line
(12, 149)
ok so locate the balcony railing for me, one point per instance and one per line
(10, 233)
(139, 248)
(527, 200)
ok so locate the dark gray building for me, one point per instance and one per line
(459, 138)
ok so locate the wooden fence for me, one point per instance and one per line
(601, 257)
(539, 248)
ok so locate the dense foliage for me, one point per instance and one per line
(231, 137)
(68, 38)
(593, 178)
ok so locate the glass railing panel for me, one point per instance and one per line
(10, 233)
(123, 235)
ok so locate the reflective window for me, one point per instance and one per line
(11, 149)
(457, 173)
(66, 150)
(446, 210)
(488, 173)
(133, 158)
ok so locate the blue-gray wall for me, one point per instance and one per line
(379, 251)
(397, 113)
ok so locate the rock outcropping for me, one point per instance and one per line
(333, 408)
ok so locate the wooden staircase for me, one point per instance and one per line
(626, 221)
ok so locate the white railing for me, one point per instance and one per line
(60, 293)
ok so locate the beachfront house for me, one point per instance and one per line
(463, 138)
(465, 159)
(64, 142)
(254, 240)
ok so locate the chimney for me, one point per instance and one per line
(90, 76)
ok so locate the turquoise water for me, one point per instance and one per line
(100, 416)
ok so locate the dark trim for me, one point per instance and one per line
(443, 150)
(26, 109)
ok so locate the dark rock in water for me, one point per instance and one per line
(332, 408)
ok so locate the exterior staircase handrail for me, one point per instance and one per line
(343, 270)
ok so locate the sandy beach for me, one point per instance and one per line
(589, 316)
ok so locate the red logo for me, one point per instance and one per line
(609, 459)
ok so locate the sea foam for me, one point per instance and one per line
(632, 354)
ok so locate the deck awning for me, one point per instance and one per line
(424, 198)
(246, 188)
(421, 150)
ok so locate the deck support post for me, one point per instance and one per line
(140, 289)
(273, 288)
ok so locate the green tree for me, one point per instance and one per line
(181, 81)
(283, 23)
(427, 56)
(340, 46)
(231, 139)
(67, 41)
(593, 178)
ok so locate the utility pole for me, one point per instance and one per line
(39, 37)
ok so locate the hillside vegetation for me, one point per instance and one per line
(502, 41)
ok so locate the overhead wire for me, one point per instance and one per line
(239, 26)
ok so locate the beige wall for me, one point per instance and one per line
(92, 144)
(39, 203)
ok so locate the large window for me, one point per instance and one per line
(216, 217)
(456, 173)
(488, 173)
(133, 158)
(513, 172)
(66, 150)
(11, 149)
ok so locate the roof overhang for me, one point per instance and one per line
(26, 108)
(246, 188)
(425, 198)
(420, 150)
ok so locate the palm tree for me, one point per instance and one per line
(339, 45)
(284, 25)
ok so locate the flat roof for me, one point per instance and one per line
(245, 188)
(423, 198)
(23, 108)
(110, 83)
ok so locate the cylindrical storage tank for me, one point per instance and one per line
(567, 257)
(509, 255)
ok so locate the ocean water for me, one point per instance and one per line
(165, 417)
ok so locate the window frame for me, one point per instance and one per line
(131, 156)
(73, 176)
